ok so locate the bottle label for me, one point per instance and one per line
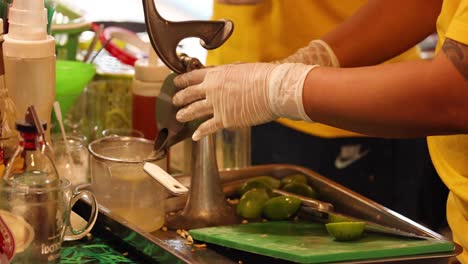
(30, 141)
(2, 156)
(7, 242)
(2, 161)
(2, 66)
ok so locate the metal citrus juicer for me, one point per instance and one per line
(206, 204)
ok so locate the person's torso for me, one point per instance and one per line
(275, 29)
(450, 153)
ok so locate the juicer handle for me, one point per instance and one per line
(165, 35)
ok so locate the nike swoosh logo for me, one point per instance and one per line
(341, 162)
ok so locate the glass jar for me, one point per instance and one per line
(71, 164)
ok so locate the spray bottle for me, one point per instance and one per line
(29, 57)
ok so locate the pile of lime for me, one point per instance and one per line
(257, 198)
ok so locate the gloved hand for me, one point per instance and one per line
(241, 95)
(316, 53)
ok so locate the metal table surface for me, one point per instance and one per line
(138, 246)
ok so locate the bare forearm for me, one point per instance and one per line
(396, 26)
(399, 100)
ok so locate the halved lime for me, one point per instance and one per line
(337, 218)
(346, 231)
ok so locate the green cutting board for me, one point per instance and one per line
(307, 242)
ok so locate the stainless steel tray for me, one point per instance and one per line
(168, 247)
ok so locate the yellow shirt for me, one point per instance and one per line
(275, 29)
(450, 153)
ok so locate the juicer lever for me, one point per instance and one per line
(166, 35)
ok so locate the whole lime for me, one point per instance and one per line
(272, 182)
(251, 203)
(298, 178)
(301, 189)
(253, 184)
(281, 207)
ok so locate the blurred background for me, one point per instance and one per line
(132, 10)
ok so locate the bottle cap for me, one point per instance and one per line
(27, 20)
(27, 35)
(151, 69)
(23, 126)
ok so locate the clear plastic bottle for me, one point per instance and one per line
(29, 57)
(8, 143)
(8, 135)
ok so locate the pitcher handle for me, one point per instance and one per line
(78, 234)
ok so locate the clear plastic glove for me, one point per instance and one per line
(241, 95)
(316, 53)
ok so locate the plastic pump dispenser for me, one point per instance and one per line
(29, 56)
(149, 76)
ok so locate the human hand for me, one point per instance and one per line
(241, 95)
(316, 53)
